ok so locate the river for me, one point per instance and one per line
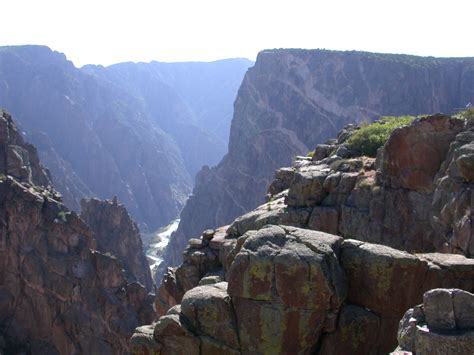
(155, 244)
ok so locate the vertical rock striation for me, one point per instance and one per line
(292, 100)
(117, 234)
(57, 294)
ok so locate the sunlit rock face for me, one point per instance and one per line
(292, 100)
(343, 247)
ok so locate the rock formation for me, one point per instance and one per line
(443, 324)
(117, 234)
(124, 131)
(57, 294)
(192, 102)
(292, 100)
(276, 281)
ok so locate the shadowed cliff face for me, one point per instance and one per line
(113, 132)
(292, 100)
(116, 233)
(192, 102)
(57, 294)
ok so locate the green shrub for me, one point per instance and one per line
(466, 115)
(310, 154)
(62, 216)
(369, 137)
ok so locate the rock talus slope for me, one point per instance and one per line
(57, 294)
(292, 100)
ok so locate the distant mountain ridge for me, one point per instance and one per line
(118, 130)
(293, 99)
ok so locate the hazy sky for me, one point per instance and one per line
(106, 32)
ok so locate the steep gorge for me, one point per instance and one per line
(126, 130)
(58, 295)
(292, 100)
(332, 261)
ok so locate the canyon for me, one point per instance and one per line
(102, 134)
(291, 100)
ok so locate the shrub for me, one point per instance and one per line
(370, 137)
(467, 115)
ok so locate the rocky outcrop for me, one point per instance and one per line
(417, 206)
(131, 130)
(192, 102)
(117, 234)
(298, 290)
(18, 158)
(292, 100)
(292, 290)
(443, 324)
(57, 294)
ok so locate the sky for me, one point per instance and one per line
(111, 31)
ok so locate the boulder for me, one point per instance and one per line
(410, 160)
(174, 337)
(441, 325)
(210, 313)
(438, 309)
(289, 279)
(306, 189)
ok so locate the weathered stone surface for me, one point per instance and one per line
(281, 181)
(211, 279)
(427, 342)
(307, 187)
(201, 258)
(438, 309)
(210, 313)
(357, 333)
(453, 204)
(324, 219)
(376, 272)
(287, 278)
(174, 338)
(211, 347)
(410, 159)
(143, 342)
(375, 275)
(434, 328)
(407, 328)
(71, 298)
(463, 304)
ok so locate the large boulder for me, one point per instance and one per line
(210, 313)
(291, 283)
(442, 325)
(410, 158)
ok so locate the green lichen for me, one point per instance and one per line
(380, 273)
(353, 334)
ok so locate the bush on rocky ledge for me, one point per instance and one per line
(370, 137)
